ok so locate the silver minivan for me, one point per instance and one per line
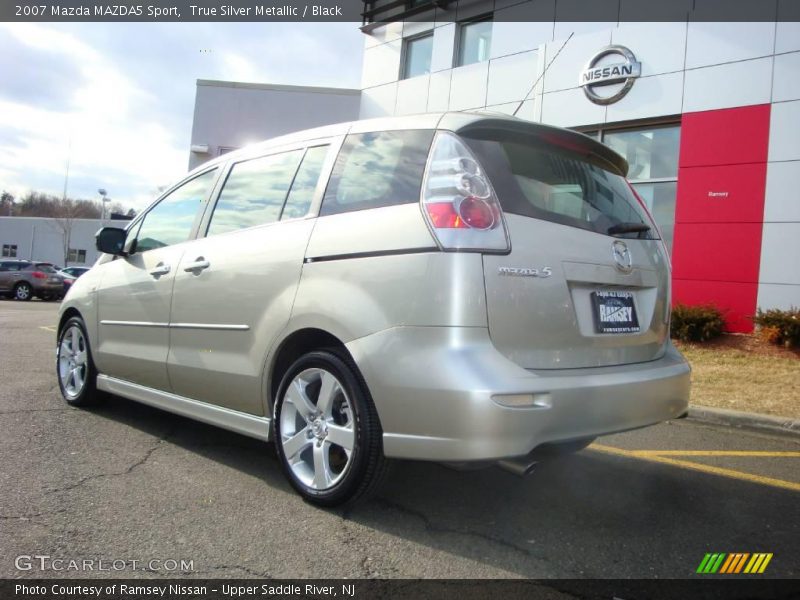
(463, 288)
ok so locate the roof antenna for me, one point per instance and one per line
(533, 87)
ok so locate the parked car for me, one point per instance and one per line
(461, 288)
(73, 272)
(23, 280)
(70, 274)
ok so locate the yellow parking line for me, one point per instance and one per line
(48, 328)
(685, 464)
(753, 453)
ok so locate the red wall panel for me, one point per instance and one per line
(720, 210)
(737, 300)
(721, 194)
(725, 137)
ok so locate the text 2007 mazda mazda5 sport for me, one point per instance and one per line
(460, 288)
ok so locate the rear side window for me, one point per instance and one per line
(305, 183)
(544, 181)
(377, 169)
(254, 192)
(171, 220)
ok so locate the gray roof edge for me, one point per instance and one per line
(278, 87)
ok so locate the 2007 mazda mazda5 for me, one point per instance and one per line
(456, 287)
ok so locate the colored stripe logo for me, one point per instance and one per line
(734, 563)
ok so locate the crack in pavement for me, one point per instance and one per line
(32, 410)
(127, 471)
(431, 527)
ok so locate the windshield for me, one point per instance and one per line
(546, 182)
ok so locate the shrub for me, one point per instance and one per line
(780, 327)
(696, 323)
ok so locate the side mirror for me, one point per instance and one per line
(111, 240)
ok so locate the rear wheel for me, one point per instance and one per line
(77, 376)
(326, 430)
(23, 291)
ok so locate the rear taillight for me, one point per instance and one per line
(39, 275)
(458, 201)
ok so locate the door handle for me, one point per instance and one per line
(198, 265)
(161, 269)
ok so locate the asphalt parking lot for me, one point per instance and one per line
(128, 482)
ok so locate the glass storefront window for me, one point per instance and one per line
(651, 153)
(660, 199)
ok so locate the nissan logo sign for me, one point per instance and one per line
(596, 76)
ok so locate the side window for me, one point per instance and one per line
(170, 221)
(377, 169)
(305, 183)
(254, 192)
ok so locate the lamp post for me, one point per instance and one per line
(103, 199)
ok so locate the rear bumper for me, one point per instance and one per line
(436, 390)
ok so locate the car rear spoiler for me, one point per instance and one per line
(572, 141)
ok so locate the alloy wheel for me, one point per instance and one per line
(317, 429)
(73, 361)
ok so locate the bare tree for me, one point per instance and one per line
(66, 211)
(6, 204)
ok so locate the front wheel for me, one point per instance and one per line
(326, 430)
(77, 376)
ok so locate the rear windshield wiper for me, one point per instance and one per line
(628, 228)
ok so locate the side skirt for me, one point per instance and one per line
(233, 420)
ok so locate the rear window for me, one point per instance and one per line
(377, 169)
(543, 181)
(43, 267)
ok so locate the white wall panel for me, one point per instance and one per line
(511, 77)
(782, 297)
(784, 132)
(412, 95)
(509, 37)
(562, 30)
(378, 101)
(725, 86)
(439, 91)
(716, 43)
(570, 108)
(649, 97)
(468, 86)
(381, 64)
(782, 202)
(786, 81)
(565, 71)
(780, 247)
(443, 47)
(660, 47)
(787, 37)
(383, 34)
(411, 28)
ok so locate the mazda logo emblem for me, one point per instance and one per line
(622, 256)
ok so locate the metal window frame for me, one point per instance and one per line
(404, 53)
(459, 41)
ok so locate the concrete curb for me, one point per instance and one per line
(736, 418)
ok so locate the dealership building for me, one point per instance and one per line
(706, 113)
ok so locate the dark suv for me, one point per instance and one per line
(24, 279)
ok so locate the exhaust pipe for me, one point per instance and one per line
(519, 466)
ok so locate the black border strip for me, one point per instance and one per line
(350, 255)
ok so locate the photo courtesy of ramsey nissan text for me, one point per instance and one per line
(400, 298)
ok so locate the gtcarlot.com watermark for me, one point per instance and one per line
(45, 562)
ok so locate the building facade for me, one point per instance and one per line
(42, 239)
(229, 115)
(707, 114)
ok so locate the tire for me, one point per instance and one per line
(311, 439)
(77, 376)
(23, 291)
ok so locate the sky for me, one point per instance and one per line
(116, 99)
